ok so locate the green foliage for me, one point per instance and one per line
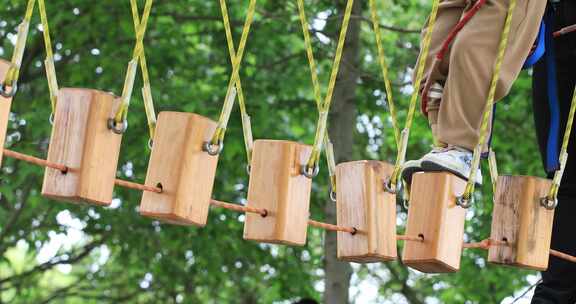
(119, 256)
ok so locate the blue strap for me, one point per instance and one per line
(540, 48)
(552, 151)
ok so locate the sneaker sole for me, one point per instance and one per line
(431, 166)
(409, 172)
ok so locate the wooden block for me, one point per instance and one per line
(82, 141)
(277, 185)
(185, 172)
(519, 219)
(363, 203)
(434, 215)
(5, 104)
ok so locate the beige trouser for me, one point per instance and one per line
(467, 69)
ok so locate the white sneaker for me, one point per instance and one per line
(452, 159)
(414, 166)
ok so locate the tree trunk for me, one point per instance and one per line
(341, 130)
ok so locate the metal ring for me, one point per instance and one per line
(150, 143)
(388, 186)
(463, 202)
(405, 204)
(113, 126)
(332, 195)
(212, 149)
(549, 203)
(305, 170)
(51, 118)
(248, 168)
(9, 94)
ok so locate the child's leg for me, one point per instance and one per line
(449, 13)
(472, 63)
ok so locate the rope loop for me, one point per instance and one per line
(234, 84)
(484, 127)
(246, 123)
(324, 107)
(120, 118)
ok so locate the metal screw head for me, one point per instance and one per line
(118, 128)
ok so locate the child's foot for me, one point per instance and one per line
(414, 166)
(455, 160)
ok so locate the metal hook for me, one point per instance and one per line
(332, 195)
(113, 126)
(548, 203)
(405, 204)
(309, 172)
(212, 149)
(9, 94)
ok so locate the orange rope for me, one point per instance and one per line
(239, 208)
(563, 256)
(44, 163)
(485, 244)
(331, 227)
(136, 186)
(410, 238)
(35, 160)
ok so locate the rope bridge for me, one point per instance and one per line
(485, 244)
